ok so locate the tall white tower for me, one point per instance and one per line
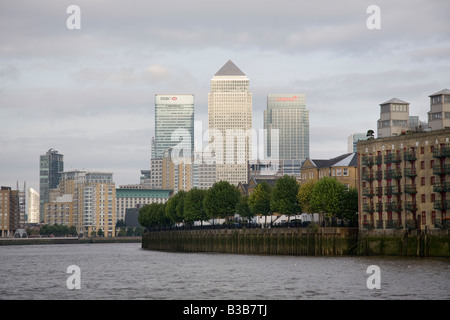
(230, 123)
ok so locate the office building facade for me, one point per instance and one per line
(287, 113)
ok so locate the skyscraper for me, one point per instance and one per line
(287, 113)
(174, 128)
(51, 168)
(174, 123)
(230, 123)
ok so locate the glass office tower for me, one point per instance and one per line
(51, 167)
(288, 114)
(174, 123)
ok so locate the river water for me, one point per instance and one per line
(125, 271)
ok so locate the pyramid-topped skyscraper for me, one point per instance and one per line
(230, 123)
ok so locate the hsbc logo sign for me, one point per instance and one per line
(169, 98)
(174, 99)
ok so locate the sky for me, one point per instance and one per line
(89, 92)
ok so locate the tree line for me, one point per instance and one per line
(326, 196)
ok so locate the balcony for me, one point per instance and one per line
(392, 174)
(393, 206)
(441, 152)
(442, 170)
(368, 208)
(392, 158)
(409, 156)
(378, 159)
(392, 190)
(411, 206)
(442, 187)
(368, 176)
(379, 191)
(379, 224)
(410, 189)
(367, 161)
(368, 192)
(410, 172)
(442, 204)
(393, 224)
(379, 207)
(378, 174)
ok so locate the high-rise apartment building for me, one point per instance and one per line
(439, 114)
(51, 167)
(394, 118)
(287, 114)
(9, 211)
(230, 123)
(86, 200)
(33, 205)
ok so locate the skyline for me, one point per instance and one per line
(89, 93)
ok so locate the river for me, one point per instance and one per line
(124, 271)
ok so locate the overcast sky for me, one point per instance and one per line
(89, 93)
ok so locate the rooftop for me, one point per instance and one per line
(395, 100)
(229, 69)
(444, 91)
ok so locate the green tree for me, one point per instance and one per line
(284, 196)
(73, 231)
(304, 196)
(259, 200)
(243, 208)
(153, 216)
(193, 206)
(100, 232)
(349, 206)
(175, 207)
(221, 199)
(327, 197)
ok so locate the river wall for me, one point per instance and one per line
(277, 241)
(299, 241)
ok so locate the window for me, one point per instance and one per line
(422, 165)
(424, 217)
(423, 198)
(422, 150)
(345, 172)
(422, 181)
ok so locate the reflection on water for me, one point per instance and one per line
(125, 271)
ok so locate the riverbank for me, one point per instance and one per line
(300, 241)
(67, 240)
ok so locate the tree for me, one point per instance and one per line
(153, 216)
(193, 206)
(243, 208)
(259, 200)
(284, 196)
(327, 196)
(304, 196)
(349, 206)
(221, 199)
(175, 207)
